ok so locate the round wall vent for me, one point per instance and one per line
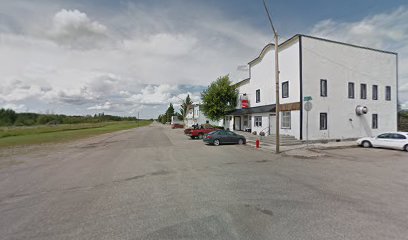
(360, 110)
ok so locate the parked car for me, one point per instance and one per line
(177, 125)
(395, 140)
(187, 131)
(224, 136)
(200, 133)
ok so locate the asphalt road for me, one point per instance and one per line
(154, 183)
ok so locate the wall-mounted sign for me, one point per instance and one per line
(244, 103)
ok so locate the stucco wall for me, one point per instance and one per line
(263, 78)
(340, 64)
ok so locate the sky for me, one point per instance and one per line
(128, 57)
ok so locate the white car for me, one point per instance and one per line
(395, 140)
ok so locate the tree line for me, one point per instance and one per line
(166, 117)
(185, 105)
(9, 117)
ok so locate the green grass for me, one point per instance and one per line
(13, 136)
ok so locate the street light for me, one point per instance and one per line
(276, 77)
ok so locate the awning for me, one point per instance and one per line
(260, 109)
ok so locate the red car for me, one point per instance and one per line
(177, 125)
(199, 133)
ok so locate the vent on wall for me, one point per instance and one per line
(360, 110)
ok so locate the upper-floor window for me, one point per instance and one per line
(323, 121)
(258, 95)
(285, 89)
(350, 90)
(323, 87)
(388, 93)
(286, 119)
(374, 121)
(363, 91)
(375, 92)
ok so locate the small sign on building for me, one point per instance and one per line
(244, 101)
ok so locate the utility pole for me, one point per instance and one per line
(138, 120)
(276, 78)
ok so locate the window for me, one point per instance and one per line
(258, 95)
(228, 133)
(375, 92)
(374, 121)
(221, 133)
(285, 89)
(385, 136)
(388, 93)
(398, 136)
(350, 90)
(258, 121)
(323, 87)
(286, 120)
(323, 121)
(363, 91)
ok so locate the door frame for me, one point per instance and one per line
(235, 117)
(269, 118)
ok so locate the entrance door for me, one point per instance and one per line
(272, 124)
(237, 123)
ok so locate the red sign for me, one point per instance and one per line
(244, 103)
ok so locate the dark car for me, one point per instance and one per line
(224, 137)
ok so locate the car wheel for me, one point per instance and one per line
(366, 144)
(406, 147)
(216, 142)
(200, 136)
(192, 137)
(240, 141)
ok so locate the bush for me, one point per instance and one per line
(262, 134)
(254, 133)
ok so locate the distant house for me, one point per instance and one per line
(353, 91)
(196, 116)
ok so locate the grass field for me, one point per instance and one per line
(13, 136)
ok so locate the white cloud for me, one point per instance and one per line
(72, 60)
(162, 44)
(386, 31)
(73, 28)
(15, 107)
(105, 106)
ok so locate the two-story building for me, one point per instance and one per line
(196, 116)
(352, 90)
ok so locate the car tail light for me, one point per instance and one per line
(209, 137)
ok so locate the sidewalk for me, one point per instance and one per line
(304, 151)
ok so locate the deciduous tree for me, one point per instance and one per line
(219, 98)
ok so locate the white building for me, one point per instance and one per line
(196, 116)
(338, 77)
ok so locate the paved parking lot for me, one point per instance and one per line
(155, 183)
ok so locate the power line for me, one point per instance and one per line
(269, 17)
